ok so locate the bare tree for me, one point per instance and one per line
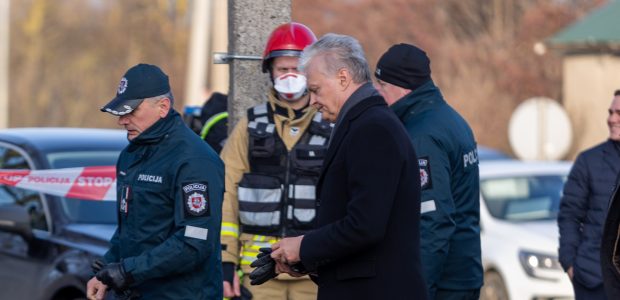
(481, 51)
(68, 55)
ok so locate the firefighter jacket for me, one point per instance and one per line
(169, 193)
(273, 159)
(449, 178)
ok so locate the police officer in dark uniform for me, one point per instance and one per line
(448, 161)
(169, 193)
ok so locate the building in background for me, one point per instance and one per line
(591, 72)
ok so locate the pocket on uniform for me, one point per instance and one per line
(259, 200)
(309, 159)
(262, 140)
(303, 191)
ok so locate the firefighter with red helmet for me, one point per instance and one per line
(273, 158)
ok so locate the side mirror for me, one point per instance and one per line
(16, 219)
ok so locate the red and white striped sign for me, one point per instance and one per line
(90, 183)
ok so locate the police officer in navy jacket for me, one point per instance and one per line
(446, 148)
(170, 186)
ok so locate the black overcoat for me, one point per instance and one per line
(368, 242)
(610, 247)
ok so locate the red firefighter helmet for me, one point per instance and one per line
(287, 40)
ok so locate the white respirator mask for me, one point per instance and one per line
(290, 86)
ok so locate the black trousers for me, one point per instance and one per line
(584, 293)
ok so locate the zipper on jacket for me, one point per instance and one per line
(286, 199)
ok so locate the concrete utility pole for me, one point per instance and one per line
(250, 22)
(5, 21)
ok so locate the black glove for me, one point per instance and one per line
(264, 252)
(114, 276)
(265, 267)
(96, 266)
(263, 258)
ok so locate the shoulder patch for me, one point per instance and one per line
(196, 199)
(425, 173)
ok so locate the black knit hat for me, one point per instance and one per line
(404, 65)
(140, 82)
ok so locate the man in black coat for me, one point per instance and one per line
(584, 206)
(367, 245)
(610, 247)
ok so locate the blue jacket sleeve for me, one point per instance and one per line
(573, 209)
(112, 254)
(196, 237)
(437, 207)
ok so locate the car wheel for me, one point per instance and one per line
(494, 287)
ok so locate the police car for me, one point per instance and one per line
(48, 242)
(518, 210)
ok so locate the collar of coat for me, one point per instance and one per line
(157, 131)
(426, 96)
(338, 135)
(611, 155)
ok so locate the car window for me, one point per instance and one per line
(80, 210)
(73, 159)
(524, 198)
(486, 154)
(31, 200)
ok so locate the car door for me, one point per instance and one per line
(20, 263)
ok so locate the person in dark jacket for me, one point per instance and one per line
(448, 161)
(367, 243)
(169, 191)
(584, 206)
(610, 246)
(214, 117)
(210, 121)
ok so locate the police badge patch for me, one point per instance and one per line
(122, 86)
(196, 199)
(425, 173)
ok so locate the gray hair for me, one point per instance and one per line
(157, 98)
(338, 51)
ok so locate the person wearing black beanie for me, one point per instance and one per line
(445, 144)
(404, 65)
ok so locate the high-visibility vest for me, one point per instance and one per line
(277, 196)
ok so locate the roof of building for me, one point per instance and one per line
(601, 28)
